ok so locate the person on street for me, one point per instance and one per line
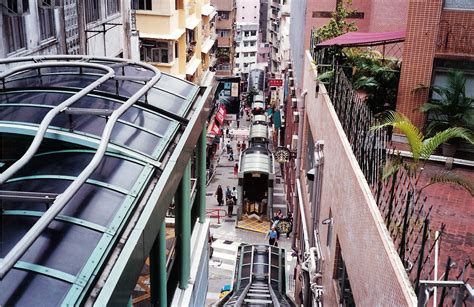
(231, 155)
(236, 169)
(220, 195)
(228, 193)
(272, 237)
(234, 195)
(230, 206)
(238, 148)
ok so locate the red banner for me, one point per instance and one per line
(275, 82)
(215, 129)
(221, 113)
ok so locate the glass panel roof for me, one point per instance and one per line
(74, 244)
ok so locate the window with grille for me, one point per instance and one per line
(92, 8)
(146, 4)
(46, 22)
(14, 31)
(113, 7)
(157, 51)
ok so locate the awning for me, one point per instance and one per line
(207, 45)
(192, 65)
(169, 36)
(353, 39)
(207, 10)
(192, 22)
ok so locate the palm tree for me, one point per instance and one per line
(422, 148)
(453, 108)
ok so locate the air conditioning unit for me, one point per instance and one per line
(294, 142)
(290, 72)
(15, 7)
(294, 103)
(289, 65)
(292, 91)
(296, 117)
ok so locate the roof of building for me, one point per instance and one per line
(62, 263)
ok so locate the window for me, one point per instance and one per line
(246, 64)
(14, 29)
(253, 33)
(246, 54)
(157, 51)
(46, 23)
(223, 15)
(243, 17)
(341, 277)
(113, 7)
(252, 43)
(246, 44)
(143, 5)
(224, 33)
(92, 8)
(253, 53)
(459, 4)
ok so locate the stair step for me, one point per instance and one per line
(259, 295)
(257, 301)
(259, 290)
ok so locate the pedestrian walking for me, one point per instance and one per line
(230, 206)
(228, 193)
(239, 146)
(272, 237)
(220, 195)
(236, 169)
(231, 155)
(234, 194)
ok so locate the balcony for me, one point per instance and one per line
(224, 23)
(454, 39)
(224, 42)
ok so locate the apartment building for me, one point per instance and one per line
(226, 10)
(178, 37)
(90, 27)
(246, 39)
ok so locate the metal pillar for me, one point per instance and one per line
(183, 226)
(201, 176)
(158, 278)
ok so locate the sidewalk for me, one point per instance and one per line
(226, 235)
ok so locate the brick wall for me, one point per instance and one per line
(376, 273)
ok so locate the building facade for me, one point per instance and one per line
(226, 11)
(246, 39)
(178, 37)
(439, 38)
(91, 27)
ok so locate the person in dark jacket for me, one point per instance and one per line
(220, 196)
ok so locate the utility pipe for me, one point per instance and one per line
(29, 238)
(183, 223)
(201, 177)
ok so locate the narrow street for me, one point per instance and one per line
(227, 237)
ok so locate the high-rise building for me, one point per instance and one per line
(90, 27)
(177, 36)
(225, 36)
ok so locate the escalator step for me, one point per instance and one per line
(259, 290)
(257, 301)
(258, 295)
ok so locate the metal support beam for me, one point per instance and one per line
(87, 111)
(201, 177)
(158, 269)
(183, 227)
(28, 196)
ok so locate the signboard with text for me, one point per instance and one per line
(275, 82)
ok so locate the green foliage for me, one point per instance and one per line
(325, 76)
(250, 94)
(337, 25)
(377, 76)
(453, 108)
(422, 148)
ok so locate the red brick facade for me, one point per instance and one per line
(432, 32)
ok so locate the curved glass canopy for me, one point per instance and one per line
(61, 265)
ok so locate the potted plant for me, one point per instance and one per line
(449, 107)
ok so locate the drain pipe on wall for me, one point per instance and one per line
(301, 106)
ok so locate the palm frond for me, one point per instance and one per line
(325, 76)
(391, 167)
(430, 144)
(411, 132)
(431, 107)
(453, 178)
